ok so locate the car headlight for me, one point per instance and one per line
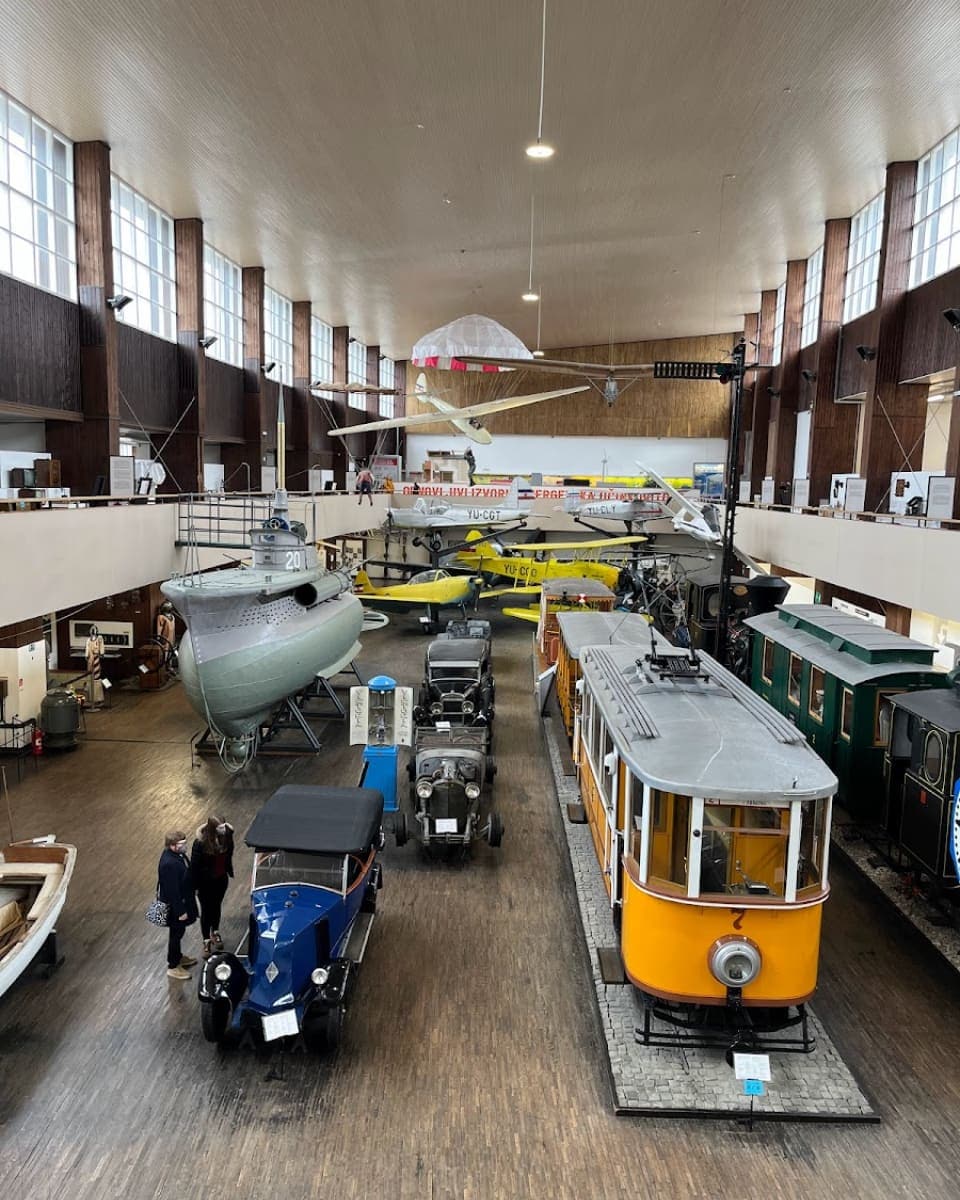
(436, 708)
(472, 790)
(467, 706)
(424, 790)
(734, 962)
(222, 972)
(320, 975)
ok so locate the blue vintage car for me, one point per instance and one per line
(313, 899)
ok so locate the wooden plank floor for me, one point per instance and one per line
(471, 1066)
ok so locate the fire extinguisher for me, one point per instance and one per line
(37, 742)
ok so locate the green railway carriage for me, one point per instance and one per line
(833, 675)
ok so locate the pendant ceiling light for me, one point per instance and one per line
(538, 353)
(540, 149)
(530, 295)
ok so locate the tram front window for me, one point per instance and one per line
(813, 834)
(744, 850)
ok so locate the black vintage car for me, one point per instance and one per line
(469, 627)
(458, 686)
(448, 775)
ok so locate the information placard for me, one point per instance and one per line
(766, 491)
(855, 496)
(752, 1066)
(940, 497)
(801, 493)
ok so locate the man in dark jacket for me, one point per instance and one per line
(177, 892)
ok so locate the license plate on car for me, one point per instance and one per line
(445, 825)
(281, 1024)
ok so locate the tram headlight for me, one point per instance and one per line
(320, 975)
(734, 962)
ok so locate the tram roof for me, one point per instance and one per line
(590, 628)
(842, 645)
(704, 734)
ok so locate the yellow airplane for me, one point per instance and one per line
(533, 562)
(429, 590)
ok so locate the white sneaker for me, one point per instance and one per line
(178, 973)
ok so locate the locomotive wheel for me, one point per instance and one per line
(214, 1020)
(495, 830)
(490, 769)
(400, 831)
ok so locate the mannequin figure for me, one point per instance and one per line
(166, 626)
(93, 652)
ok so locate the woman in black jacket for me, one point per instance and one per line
(211, 864)
(175, 889)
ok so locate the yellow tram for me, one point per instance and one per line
(581, 629)
(710, 817)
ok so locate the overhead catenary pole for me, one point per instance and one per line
(728, 560)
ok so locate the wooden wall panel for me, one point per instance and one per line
(39, 348)
(149, 379)
(852, 374)
(930, 344)
(649, 408)
(224, 416)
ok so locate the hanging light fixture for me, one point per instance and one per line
(530, 295)
(538, 353)
(541, 149)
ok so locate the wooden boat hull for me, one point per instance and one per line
(26, 861)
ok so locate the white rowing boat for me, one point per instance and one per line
(34, 877)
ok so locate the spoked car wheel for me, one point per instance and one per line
(495, 830)
(215, 1020)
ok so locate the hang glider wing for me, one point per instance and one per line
(353, 388)
(561, 367)
(472, 410)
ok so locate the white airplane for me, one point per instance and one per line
(439, 514)
(467, 421)
(700, 521)
(629, 511)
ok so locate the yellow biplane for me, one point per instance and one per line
(533, 562)
(430, 590)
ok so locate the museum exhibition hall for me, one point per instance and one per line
(479, 600)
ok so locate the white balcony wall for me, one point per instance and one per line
(917, 568)
(56, 559)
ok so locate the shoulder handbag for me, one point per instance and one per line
(159, 911)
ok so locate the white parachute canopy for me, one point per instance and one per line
(477, 336)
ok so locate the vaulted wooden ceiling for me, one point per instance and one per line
(370, 153)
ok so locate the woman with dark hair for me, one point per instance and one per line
(175, 889)
(211, 865)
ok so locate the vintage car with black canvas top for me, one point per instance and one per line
(458, 683)
(313, 898)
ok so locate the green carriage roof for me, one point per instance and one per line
(842, 645)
